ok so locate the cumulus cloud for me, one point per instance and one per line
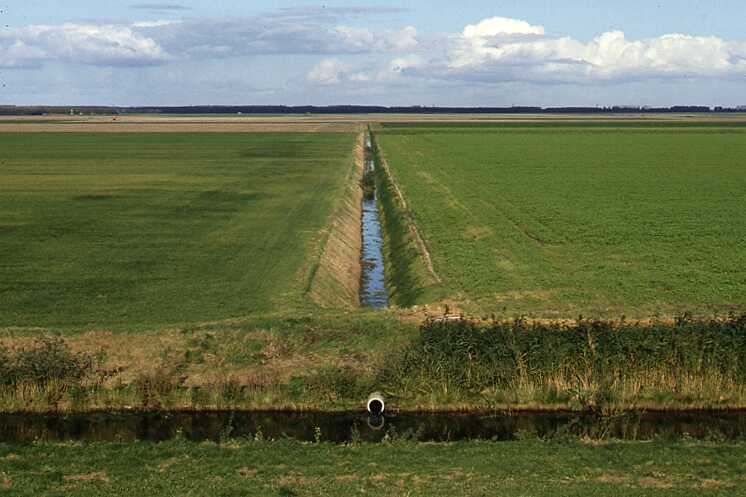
(501, 26)
(81, 43)
(500, 49)
(492, 50)
(328, 72)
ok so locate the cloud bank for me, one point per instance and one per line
(106, 45)
(491, 51)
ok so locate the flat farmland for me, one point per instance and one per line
(150, 229)
(599, 220)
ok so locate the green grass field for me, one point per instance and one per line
(146, 230)
(286, 468)
(561, 221)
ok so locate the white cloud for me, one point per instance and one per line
(365, 40)
(328, 72)
(405, 39)
(499, 49)
(286, 31)
(274, 35)
(81, 43)
(153, 24)
(501, 26)
(495, 52)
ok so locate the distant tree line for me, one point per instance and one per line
(358, 109)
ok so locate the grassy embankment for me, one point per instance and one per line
(398, 467)
(556, 221)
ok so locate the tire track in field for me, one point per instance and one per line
(472, 213)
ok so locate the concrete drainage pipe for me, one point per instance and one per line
(376, 403)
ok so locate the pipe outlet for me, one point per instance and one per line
(376, 403)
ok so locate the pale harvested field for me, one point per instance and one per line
(100, 126)
(192, 123)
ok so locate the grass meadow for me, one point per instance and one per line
(396, 467)
(558, 221)
(144, 230)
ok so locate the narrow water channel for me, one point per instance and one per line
(373, 291)
(346, 427)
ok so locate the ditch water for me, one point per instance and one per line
(373, 291)
(346, 427)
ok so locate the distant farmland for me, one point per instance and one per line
(598, 220)
(111, 230)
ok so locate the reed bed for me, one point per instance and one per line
(686, 363)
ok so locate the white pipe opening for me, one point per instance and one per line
(376, 403)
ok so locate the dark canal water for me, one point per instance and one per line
(344, 427)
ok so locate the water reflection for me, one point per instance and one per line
(338, 427)
(373, 292)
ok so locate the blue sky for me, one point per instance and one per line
(181, 52)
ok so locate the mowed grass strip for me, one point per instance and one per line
(141, 230)
(286, 468)
(556, 222)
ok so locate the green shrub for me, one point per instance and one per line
(49, 360)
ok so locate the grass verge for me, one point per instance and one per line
(394, 468)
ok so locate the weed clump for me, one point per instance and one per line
(49, 360)
(338, 383)
(155, 387)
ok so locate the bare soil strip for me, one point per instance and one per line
(176, 127)
(327, 122)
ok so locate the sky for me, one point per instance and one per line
(415, 52)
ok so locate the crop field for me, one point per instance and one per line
(558, 221)
(133, 230)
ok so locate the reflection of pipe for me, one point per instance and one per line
(376, 404)
(376, 423)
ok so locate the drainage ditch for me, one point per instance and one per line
(373, 292)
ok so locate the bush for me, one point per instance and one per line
(50, 360)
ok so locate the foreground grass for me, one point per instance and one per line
(137, 231)
(558, 221)
(285, 468)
